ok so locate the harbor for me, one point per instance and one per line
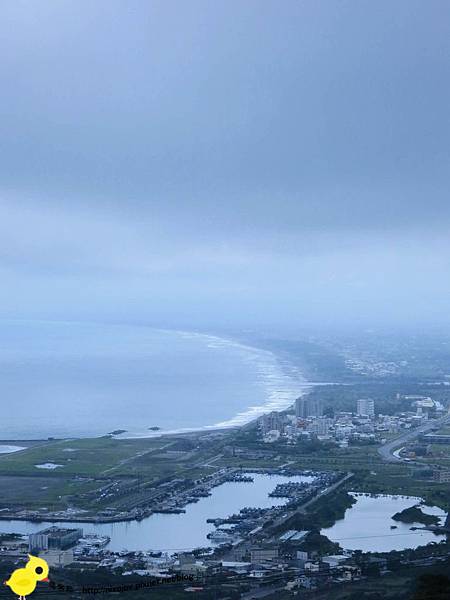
(247, 501)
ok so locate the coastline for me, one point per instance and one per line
(265, 380)
(249, 415)
(243, 420)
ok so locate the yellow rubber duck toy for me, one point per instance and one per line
(23, 581)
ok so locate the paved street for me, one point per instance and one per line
(386, 450)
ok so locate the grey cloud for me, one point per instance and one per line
(181, 160)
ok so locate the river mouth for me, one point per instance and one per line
(368, 524)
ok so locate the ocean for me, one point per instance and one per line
(66, 379)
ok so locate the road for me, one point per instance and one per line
(320, 495)
(386, 450)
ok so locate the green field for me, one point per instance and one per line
(90, 464)
(94, 457)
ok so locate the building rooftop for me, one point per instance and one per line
(55, 531)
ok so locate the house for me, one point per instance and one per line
(334, 560)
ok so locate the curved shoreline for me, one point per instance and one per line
(249, 414)
(265, 381)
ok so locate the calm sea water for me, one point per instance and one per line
(72, 379)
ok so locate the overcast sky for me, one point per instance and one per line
(226, 163)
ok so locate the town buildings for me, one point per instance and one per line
(308, 407)
(365, 407)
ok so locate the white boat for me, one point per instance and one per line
(220, 536)
(94, 540)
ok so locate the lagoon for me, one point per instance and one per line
(367, 525)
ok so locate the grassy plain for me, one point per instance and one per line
(92, 463)
(91, 457)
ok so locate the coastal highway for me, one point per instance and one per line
(386, 451)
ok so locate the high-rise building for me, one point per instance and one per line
(271, 422)
(314, 407)
(301, 408)
(308, 407)
(365, 407)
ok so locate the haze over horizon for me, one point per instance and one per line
(226, 164)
